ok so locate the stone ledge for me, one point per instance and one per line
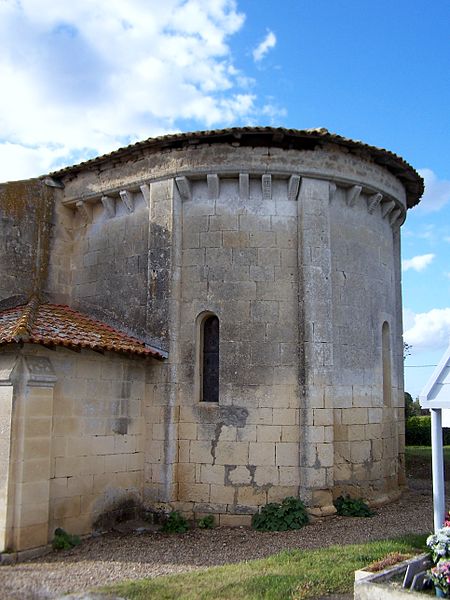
(378, 586)
(10, 558)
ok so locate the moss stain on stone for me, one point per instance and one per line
(27, 207)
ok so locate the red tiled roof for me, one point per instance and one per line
(58, 325)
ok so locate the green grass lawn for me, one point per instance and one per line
(290, 575)
(424, 451)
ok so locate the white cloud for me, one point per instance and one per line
(86, 77)
(20, 161)
(417, 263)
(430, 330)
(273, 112)
(263, 48)
(437, 192)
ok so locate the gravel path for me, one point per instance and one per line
(116, 556)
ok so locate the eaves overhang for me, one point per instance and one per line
(288, 139)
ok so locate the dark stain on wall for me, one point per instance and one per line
(227, 416)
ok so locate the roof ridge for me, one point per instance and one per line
(26, 320)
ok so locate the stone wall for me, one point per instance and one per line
(294, 252)
(25, 220)
(367, 420)
(297, 253)
(109, 262)
(77, 442)
(240, 262)
(98, 438)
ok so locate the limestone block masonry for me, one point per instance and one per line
(291, 239)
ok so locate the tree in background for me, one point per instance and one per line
(412, 407)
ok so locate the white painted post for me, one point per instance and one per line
(437, 455)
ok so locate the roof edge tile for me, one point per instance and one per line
(59, 325)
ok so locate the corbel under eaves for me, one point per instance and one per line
(387, 208)
(85, 209)
(109, 205)
(394, 216)
(293, 187)
(353, 194)
(332, 187)
(266, 185)
(373, 201)
(244, 186)
(212, 180)
(145, 191)
(184, 187)
(127, 199)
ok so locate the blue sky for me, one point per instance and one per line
(83, 78)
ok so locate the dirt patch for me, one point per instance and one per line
(419, 467)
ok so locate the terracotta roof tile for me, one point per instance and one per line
(58, 325)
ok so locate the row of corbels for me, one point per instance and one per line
(213, 182)
(389, 208)
(127, 197)
(185, 189)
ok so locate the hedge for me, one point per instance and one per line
(418, 432)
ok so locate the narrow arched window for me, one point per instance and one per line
(387, 366)
(210, 359)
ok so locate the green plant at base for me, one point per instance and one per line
(206, 522)
(175, 523)
(352, 507)
(290, 514)
(64, 540)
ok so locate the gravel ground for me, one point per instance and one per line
(116, 556)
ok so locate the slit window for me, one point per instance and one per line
(210, 360)
(387, 367)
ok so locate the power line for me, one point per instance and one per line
(418, 366)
